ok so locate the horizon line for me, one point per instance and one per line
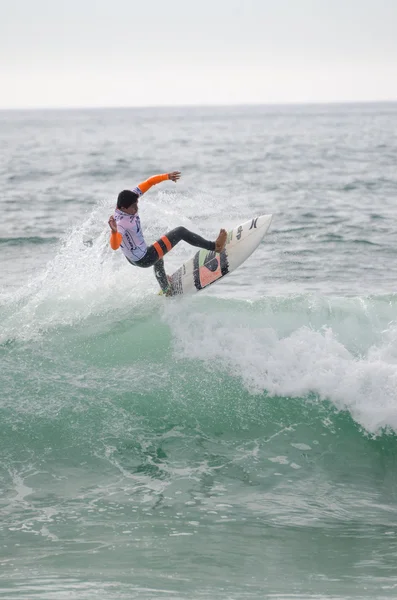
(204, 105)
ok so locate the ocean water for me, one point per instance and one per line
(236, 444)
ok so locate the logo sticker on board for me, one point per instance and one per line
(208, 267)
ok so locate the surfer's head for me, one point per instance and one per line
(127, 201)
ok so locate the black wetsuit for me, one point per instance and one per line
(155, 252)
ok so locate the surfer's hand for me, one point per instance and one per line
(112, 224)
(174, 176)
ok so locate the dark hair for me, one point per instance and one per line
(126, 198)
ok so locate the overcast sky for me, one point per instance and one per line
(76, 53)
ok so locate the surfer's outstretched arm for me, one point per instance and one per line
(146, 185)
(115, 237)
(127, 206)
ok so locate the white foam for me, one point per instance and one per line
(85, 277)
(295, 360)
(79, 281)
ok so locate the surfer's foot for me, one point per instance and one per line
(168, 291)
(220, 242)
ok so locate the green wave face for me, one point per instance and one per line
(206, 421)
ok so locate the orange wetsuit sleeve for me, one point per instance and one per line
(146, 185)
(115, 240)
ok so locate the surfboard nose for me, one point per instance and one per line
(262, 221)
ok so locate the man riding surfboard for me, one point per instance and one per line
(127, 233)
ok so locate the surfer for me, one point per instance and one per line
(127, 233)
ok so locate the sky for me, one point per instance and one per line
(102, 53)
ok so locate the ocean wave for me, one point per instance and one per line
(93, 311)
(338, 351)
(26, 241)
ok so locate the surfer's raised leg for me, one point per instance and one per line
(182, 234)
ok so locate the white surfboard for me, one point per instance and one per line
(207, 266)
